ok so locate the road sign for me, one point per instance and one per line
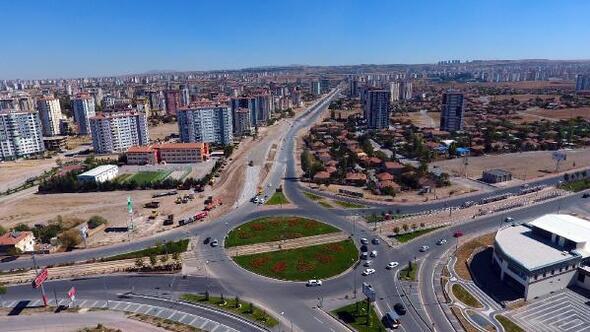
(72, 293)
(559, 155)
(40, 278)
(369, 292)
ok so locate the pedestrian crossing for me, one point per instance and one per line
(138, 308)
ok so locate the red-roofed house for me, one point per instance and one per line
(357, 179)
(23, 241)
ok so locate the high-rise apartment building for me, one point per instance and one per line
(401, 90)
(50, 115)
(583, 83)
(316, 88)
(451, 116)
(208, 124)
(172, 101)
(117, 132)
(20, 134)
(83, 108)
(244, 102)
(242, 123)
(376, 108)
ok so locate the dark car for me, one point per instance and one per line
(207, 240)
(586, 195)
(364, 248)
(400, 309)
(375, 241)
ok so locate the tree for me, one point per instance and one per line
(153, 260)
(396, 229)
(96, 221)
(13, 251)
(2, 230)
(237, 300)
(139, 263)
(251, 309)
(207, 295)
(405, 227)
(165, 258)
(70, 239)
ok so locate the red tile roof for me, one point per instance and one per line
(12, 238)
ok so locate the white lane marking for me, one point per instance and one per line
(319, 320)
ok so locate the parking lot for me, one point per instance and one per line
(564, 311)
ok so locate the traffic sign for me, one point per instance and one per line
(40, 278)
(72, 293)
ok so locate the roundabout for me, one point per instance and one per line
(291, 248)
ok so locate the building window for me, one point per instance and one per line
(581, 277)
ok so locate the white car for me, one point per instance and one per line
(313, 283)
(368, 272)
(392, 265)
(364, 240)
(368, 263)
(373, 253)
(441, 242)
(424, 248)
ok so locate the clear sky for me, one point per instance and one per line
(63, 38)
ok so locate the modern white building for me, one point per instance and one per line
(207, 124)
(84, 108)
(544, 256)
(50, 114)
(112, 133)
(401, 90)
(20, 134)
(100, 174)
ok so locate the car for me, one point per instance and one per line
(364, 240)
(373, 253)
(368, 263)
(313, 283)
(424, 248)
(441, 242)
(392, 320)
(375, 241)
(365, 255)
(586, 195)
(261, 201)
(214, 243)
(364, 248)
(508, 219)
(392, 265)
(368, 272)
(207, 240)
(399, 308)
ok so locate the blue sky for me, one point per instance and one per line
(63, 38)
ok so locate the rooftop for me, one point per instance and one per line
(12, 238)
(98, 170)
(572, 228)
(530, 251)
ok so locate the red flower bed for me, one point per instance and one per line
(279, 267)
(259, 261)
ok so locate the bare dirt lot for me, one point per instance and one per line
(162, 130)
(14, 173)
(558, 114)
(525, 165)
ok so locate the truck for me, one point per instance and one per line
(201, 215)
(154, 214)
(152, 205)
(166, 193)
(392, 319)
(211, 203)
(169, 220)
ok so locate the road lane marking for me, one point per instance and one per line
(319, 320)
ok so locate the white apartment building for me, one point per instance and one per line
(20, 134)
(84, 108)
(208, 124)
(118, 131)
(50, 114)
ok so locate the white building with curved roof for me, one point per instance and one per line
(545, 255)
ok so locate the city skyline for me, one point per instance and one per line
(109, 39)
